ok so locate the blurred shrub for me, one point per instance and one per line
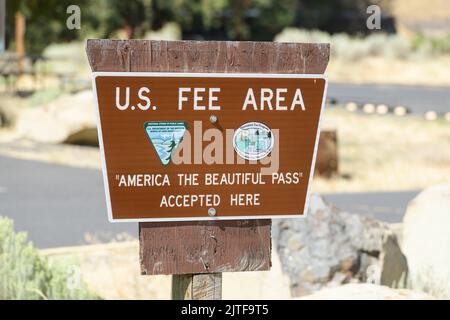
(26, 275)
(202, 19)
(390, 46)
(64, 58)
(44, 96)
(45, 22)
(169, 31)
(428, 46)
(205, 19)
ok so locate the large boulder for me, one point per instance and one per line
(426, 240)
(62, 120)
(330, 247)
(10, 107)
(366, 291)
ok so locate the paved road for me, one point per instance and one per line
(385, 206)
(58, 205)
(419, 99)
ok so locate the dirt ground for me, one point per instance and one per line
(387, 153)
(112, 271)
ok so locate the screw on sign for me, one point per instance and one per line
(200, 158)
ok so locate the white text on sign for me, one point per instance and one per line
(201, 99)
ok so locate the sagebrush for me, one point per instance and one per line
(24, 274)
(353, 48)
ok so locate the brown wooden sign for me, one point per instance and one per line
(195, 146)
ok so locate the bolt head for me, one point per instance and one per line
(211, 212)
(213, 119)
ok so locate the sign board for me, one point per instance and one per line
(196, 146)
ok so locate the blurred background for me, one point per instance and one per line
(377, 226)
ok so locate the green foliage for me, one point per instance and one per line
(353, 48)
(350, 48)
(437, 45)
(135, 17)
(198, 19)
(45, 22)
(44, 96)
(26, 275)
(232, 19)
(236, 19)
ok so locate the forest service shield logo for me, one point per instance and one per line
(165, 137)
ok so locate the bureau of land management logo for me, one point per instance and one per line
(253, 141)
(165, 137)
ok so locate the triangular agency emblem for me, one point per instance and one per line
(165, 137)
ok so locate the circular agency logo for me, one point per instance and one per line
(253, 141)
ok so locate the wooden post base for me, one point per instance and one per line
(206, 286)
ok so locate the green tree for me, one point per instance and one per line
(45, 22)
(170, 148)
(135, 17)
(200, 19)
(235, 19)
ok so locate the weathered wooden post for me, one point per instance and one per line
(206, 286)
(2, 26)
(20, 23)
(196, 247)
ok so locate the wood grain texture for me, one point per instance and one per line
(206, 246)
(197, 286)
(207, 56)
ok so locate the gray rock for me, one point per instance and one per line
(330, 246)
(339, 278)
(83, 137)
(69, 118)
(394, 266)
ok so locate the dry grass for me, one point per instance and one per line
(418, 10)
(381, 58)
(112, 271)
(429, 72)
(387, 153)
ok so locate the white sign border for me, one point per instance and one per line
(205, 75)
